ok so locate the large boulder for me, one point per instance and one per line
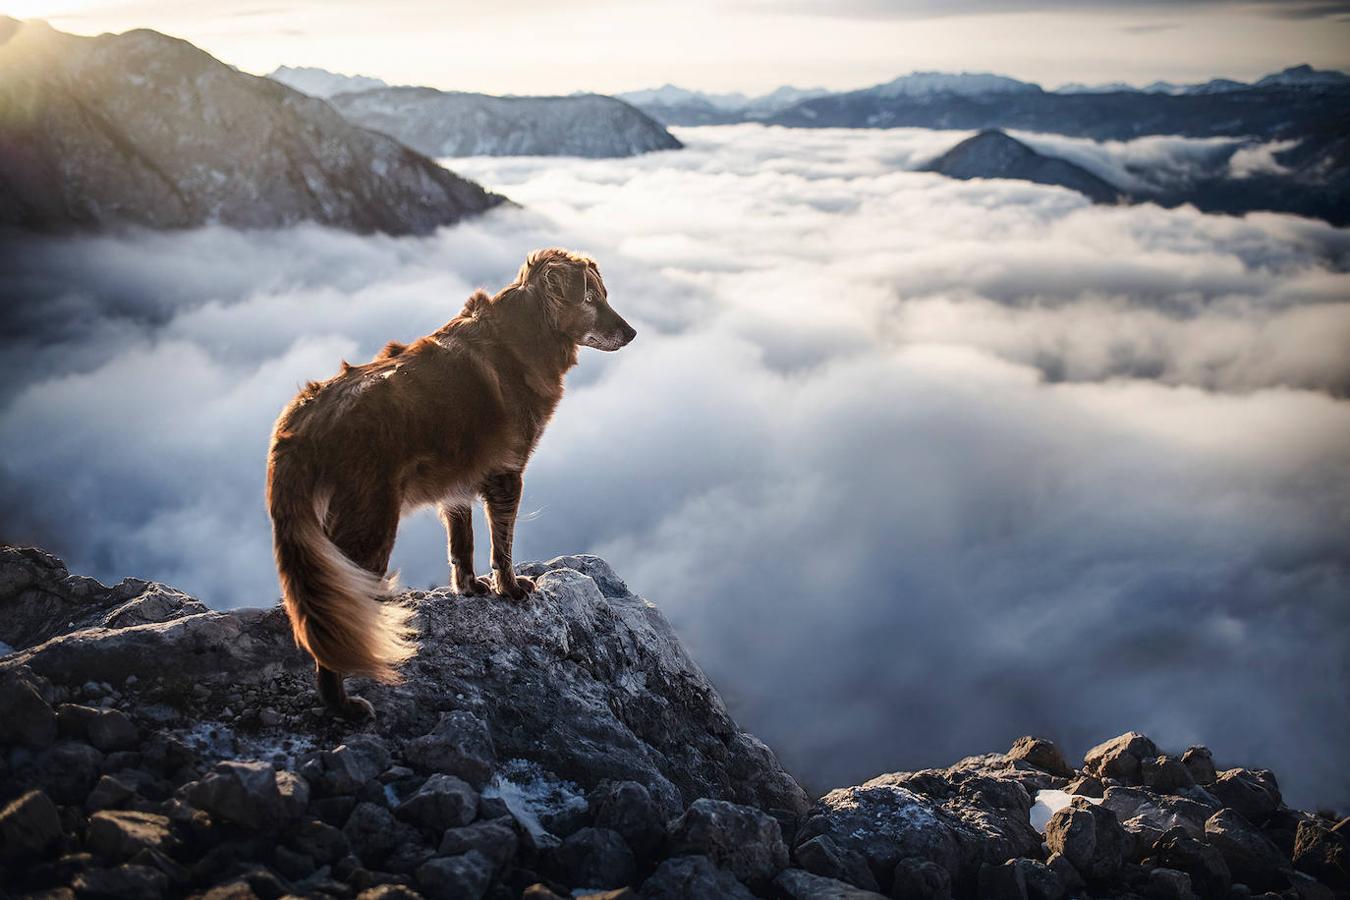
(1090, 837)
(586, 679)
(1121, 757)
(1252, 859)
(742, 840)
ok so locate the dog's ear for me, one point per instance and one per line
(559, 276)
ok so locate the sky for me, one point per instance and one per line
(927, 464)
(608, 46)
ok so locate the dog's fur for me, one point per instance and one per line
(453, 416)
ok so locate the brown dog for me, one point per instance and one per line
(453, 416)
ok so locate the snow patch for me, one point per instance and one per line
(533, 795)
(1049, 802)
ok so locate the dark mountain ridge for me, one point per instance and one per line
(145, 129)
(993, 154)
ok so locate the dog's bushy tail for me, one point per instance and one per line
(335, 607)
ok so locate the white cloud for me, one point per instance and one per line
(915, 465)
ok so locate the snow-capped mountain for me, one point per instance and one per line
(964, 84)
(679, 106)
(321, 82)
(145, 129)
(1305, 76)
(445, 123)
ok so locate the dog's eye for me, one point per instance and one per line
(590, 296)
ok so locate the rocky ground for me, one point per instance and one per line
(150, 747)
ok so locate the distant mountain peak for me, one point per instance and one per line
(921, 84)
(995, 154)
(322, 83)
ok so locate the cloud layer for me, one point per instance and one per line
(915, 465)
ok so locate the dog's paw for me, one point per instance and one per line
(357, 709)
(472, 585)
(516, 587)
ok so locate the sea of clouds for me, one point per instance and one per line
(914, 465)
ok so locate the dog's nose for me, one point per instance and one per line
(629, 332)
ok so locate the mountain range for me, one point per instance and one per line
(452, 123)
(145, 129)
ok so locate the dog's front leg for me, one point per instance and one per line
(501, 498)
(458, 521)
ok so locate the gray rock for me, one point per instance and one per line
(375, 835)
(242, 792)
(128, 882)
(1120, 757)
(687, 877)
(118, 836)
(70, 769)
(1086, 786)
(1166, 774)
(319, 841)
(460, 745)
(921, 879)
(1253, 793)
(294, 791)
(189, 140)
(1068, 875)
(453, 123)
(1200, 763)
(455, 877)
(26, 715)
(111, 730)
(1041, 881)
(347, 767)
(885, 823)
(1252, 859)
(1005, 882)
(1090, 838)
(1169, 884)
(443, 801)
(592, 858)
(627, 808)
(742, 840)
(109, 792)
(1204, 864)
(796, 884)
(822, 856)
(494, 839)
(29, 824)
(1042, 754)
(1156, 811)
(1324, 852)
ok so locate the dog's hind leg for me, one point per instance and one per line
(364, 530)
(501, 496)
(458, 521)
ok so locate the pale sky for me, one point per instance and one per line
(539, 47)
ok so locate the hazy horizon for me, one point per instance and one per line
(738, 45)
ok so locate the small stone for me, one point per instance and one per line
(1204, 864)
(1120, 757)
(29, 824)
(294, 791)
(349, 767)
(592, 858)
(1166, 774)
(109, 792)
(921, 879)
(120, 835)
(375, 834)
(628, 808)
(129, 882)
(1252, 859)
(319, 841)
(455, 877)
(494, 839)
(443, 801)
(269, 717)
(1169, 884)
(822, 856)
(243, 792)
(1324, 852)
(687, 877)
(1042, 754)
(1005, 882)
(1086, 786)
(798, 884)
(111, 730)
(744, 841)
(1200, 763)
(26, 716)
(460, 744)
(1253, 793)
(1088, 836)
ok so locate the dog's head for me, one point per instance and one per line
(574, 296)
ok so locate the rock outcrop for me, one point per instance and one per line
(453, 123)
(150, 747)
(144, 129)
